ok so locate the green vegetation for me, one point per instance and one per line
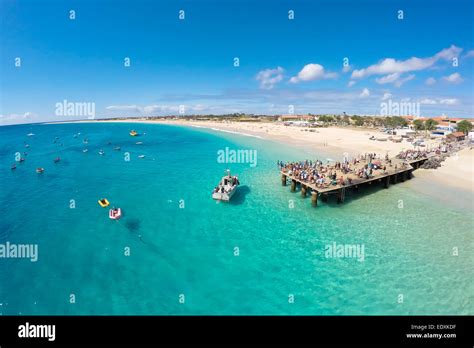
(419, 125)
(464, 126)
(430, 124)
(326, 119)
(394, 122)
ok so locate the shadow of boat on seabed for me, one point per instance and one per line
(239, 195)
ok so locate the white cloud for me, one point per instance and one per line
(365, 93)
(390, 65)
(403, 80)
(127, 108)
(386, 96)
(469, 54)
(270, 77)
(430, 81)
(346, 68)
(428, 101)
(27, 117)
(199, 107)
(449, 101)
(311, 72)
(394, 78)
(453, 78)
(388, 78)
(351, 83)
(153, 109)
(157, 109)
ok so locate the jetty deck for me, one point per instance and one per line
(398, 171)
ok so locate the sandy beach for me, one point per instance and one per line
(456, 171)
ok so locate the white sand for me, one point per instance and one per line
(456, 171)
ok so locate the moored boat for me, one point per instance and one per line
(133, 133)
(39, 170)
(226, 187)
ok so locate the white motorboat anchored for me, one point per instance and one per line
(226, 187)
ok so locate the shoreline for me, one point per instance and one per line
(456, 171)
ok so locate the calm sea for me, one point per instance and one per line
(177, 251)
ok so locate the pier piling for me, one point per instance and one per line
(303, 190)
(283, 180)
(293, 185)
(314, 198)
(394, 178)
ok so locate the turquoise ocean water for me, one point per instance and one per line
(190, 250)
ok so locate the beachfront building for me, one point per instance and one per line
(404, 132)
(445, 125)
(456, 136)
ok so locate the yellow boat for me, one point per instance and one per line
(133, 133)
(103, 202)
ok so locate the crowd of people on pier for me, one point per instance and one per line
(343, 173)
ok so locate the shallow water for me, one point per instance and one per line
(408, 236)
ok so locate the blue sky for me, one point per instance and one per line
(190, 62)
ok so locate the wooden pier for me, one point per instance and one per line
(391, 176)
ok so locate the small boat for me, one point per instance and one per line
(226, 187)
(85, 141)
(21, 159)
(13, 166)
(115, 213)
(39, 170)
(30, 134)
(103, 202)
(27, 146)
(117, 148)
(141, 156)
(139, 143)
(133, 133)
(57, 159)
(85, 150)
(101, 152)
